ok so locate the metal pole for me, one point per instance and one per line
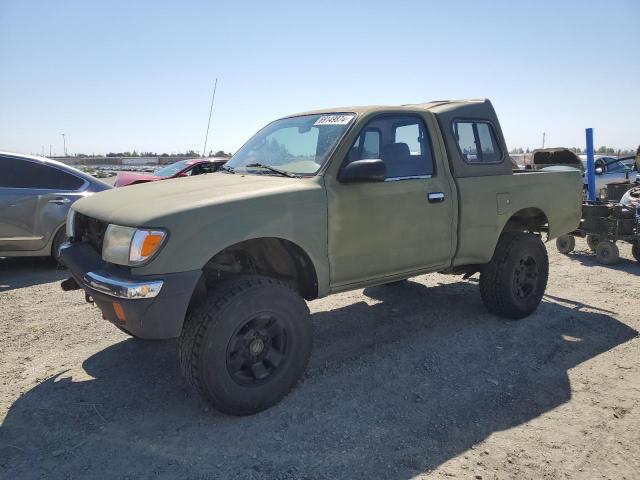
(64, 144)
(204, 149)
(543, 135)
(591, 172)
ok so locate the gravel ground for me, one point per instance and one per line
(410, 381)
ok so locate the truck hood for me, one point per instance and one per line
(148, 204)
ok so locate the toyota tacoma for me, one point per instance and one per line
(314, 204)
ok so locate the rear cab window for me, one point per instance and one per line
(477, 141)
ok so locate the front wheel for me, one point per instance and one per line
(513, 282)
(566, 244)
(247, 346)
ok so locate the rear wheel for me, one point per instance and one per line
(59, 239)
(566, 244)
(592, 242)
(513, 282)
(247, 346)
(607, 252)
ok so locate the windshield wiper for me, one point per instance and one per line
(284, 173)
(228, 169)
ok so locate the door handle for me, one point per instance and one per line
(60, 201)
(435, 197)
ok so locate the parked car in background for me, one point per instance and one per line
(182, 168)
(542, 158)
(35, 196)
(611, 169)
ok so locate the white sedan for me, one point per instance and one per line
(611, 169)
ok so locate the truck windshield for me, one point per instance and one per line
(298, 145)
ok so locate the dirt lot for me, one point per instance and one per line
(408, 381)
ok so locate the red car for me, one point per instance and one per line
(182, 168)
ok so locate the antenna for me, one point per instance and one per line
(206, 137)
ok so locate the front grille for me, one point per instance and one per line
(90, 230)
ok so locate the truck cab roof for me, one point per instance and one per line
(435, 106)
(457, 119)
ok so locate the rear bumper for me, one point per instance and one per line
(150, 307)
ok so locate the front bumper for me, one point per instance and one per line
(149, 307)
(121, 287)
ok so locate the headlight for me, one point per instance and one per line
(131, 246)
(71, 218)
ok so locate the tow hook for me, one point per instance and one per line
(69, 284)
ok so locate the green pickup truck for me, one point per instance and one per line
(314, 204)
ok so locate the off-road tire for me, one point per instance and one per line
(566, 244)
(60, 237)
(592, 242)
(213, 328)
(607, 253)
(500, 285)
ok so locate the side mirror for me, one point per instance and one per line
(599, 171)
(370, 170)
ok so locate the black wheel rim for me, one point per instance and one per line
(257, 350)
(525, 277)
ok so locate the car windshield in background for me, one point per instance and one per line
(297, 145)
(171, 170)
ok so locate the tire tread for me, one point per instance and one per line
(490, 282)
(203, 317)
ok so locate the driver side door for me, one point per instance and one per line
(400, 225)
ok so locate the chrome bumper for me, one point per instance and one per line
(122, 288)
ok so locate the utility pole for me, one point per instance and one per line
(64, 144)
(204, 149)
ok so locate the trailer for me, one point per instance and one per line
(603, 225)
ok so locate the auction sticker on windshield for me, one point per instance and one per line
(334, 120)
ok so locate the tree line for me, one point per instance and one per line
(187, 154)
(603, 150)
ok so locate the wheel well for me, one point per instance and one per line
(271, 257)
(528, 219)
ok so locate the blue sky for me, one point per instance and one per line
(124, 75)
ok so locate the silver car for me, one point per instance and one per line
(35, 196)
(610, 169)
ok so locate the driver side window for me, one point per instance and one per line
(401, 142)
